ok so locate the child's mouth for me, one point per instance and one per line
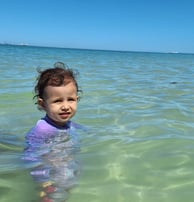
(64, 115)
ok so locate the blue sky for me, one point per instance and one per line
(132, 25)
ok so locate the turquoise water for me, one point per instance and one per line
(138, 108)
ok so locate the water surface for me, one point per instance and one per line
(138, 108)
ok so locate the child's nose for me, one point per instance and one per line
(65, 105)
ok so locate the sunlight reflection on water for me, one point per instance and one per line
(138, 108)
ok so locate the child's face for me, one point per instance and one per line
(60, 102)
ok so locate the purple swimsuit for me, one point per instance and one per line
(46, 128)
(50, 153)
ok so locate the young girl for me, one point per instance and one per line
(53, 141)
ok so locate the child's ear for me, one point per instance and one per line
(78, 98)
(41, 103)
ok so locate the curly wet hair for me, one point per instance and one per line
(59, 75)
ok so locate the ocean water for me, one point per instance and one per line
(139, 113)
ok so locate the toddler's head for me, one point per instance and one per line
(57, 93)
(57, 76)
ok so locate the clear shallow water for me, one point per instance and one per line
(139, 111)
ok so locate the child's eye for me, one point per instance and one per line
(57, 101)
(71, 99)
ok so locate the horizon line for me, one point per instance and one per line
(92, 49)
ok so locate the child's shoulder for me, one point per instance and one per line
(42, 129)
(74, 125)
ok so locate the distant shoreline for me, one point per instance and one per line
(121, 51)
